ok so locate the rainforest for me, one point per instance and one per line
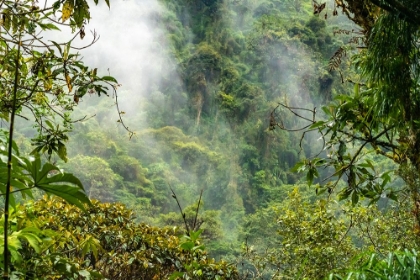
(210, 139)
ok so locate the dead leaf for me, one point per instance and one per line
(67, 10)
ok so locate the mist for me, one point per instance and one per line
(133, 49)
(172, 78)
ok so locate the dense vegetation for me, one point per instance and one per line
(212, 165)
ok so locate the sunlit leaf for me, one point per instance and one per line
(33, 240)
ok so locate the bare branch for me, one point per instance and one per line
(180, 209)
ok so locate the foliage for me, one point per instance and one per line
(305, 237)
(51, 78)
(206, 117)
(380, 115)
(97, 177)
(311, 242)
(207, 129)
(31, 173)
(44, 80)
(398, 265)
(207, 221)
(105, 239)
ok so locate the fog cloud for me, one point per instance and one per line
(132, 48)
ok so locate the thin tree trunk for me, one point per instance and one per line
(9, 170)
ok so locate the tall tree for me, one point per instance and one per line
(382, 113)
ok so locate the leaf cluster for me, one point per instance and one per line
(106, 239)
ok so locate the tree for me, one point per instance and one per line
(96, 175)
(105, 239)
(310, 242)
(42, 80)
(399, 265)
(309, 237)
(381, 115)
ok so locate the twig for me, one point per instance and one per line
(120, 113)
(180, 209)
(348, 229)
(196, 211)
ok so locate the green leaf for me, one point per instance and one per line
(356, 90)
(354, 198)
(48, 26)
(109, 79)
(71, 194)
(299, 167)
(310, 177)
(344, 194)
(312, 173)
(392, 196)
(176, 275)
(62, 151)
(32, 239)
(90, 244)
(187, 246)
(194, 235)
(58, 47)
(84, 273)
(341, 149)
(64, 185)
(317, 124)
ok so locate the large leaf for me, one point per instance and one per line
(32, 239)
(50, 179)
(19, 180)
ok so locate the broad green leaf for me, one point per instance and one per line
(194, 235)
(187, 246)
(71, 194)
(62, 151)
(299, 167)
(64, 177)
(317, 124)
(51, 180)
(32, 239)
(354, 198)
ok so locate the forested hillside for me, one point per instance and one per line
(268, 139)
(205, 125)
